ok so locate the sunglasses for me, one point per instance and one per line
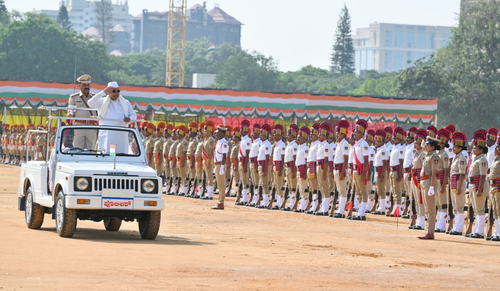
(115, 91)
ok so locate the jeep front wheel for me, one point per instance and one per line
(33, 211)
(65, 218)
(112, 223)
(149, 224)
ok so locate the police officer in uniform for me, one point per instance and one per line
(220, 156)
(85, 139)
(191, 160)
(158, 148)
(167, 144)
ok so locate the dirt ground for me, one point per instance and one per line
(239, 248)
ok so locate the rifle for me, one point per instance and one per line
(297, 197)
(471, 217)
(240, 190)
(273, 194)
(450, 210)
(228, 192)
(491, 220)
(349, 214)
(285, 196)
(335, 200)
(320, 200)
(260, 196)
(375, 201)
(203, 185)
(170, 183)
(413, 219)
(192, 189)
(250, 198)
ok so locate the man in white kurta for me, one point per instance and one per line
(113, 106)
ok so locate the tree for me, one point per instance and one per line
(342, 60)
(3, 8)
(104, 15)
(63, 19)
(4, 14)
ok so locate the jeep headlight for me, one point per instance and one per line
(148, 186)
(82, 184)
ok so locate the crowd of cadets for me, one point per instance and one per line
(422, 174)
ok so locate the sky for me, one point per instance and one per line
(294, 33)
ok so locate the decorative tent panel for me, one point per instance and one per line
(215, 102)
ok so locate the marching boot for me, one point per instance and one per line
(458, 228)
(341, 209)
(496, 235)
(381, 207)
(210, 193)
(479, 233)
(441, 222)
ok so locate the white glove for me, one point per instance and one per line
(431, 191)
(221, 171)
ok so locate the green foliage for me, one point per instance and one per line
(37, 49)
(463, 75)
(63, 19)
(342, 60)
(104, 20)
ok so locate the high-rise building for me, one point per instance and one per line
(386, 47)
(150, 28)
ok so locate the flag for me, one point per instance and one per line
(396, 212)
(212, 47)
(112, 150)
(349, 206)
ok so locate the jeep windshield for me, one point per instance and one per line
(92, 141)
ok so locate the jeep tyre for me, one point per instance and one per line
(149, 224)
(112, 223)
(65, 218)
(33, 212)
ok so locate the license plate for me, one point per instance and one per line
(117, 203)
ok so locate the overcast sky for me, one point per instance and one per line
(297, 34)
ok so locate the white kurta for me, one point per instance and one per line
(115, 111)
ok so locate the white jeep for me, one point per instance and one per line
(108, 181)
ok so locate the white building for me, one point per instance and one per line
(82, 16)
(385, 47)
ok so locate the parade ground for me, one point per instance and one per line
(239, 248)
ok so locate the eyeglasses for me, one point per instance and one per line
(118, 90)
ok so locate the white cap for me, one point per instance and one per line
(113, 85)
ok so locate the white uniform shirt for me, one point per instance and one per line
(341, 151)
(380, 156)
(279, 150)
(450, 152)
(351, 154)
(313, 152)
(221, 148)
(323, 150)
(371, 157)
(361, 149)
(254, 150)
(409, 154)
(331, 156)
(491, 154)
(397, 153)
(302, 155)
(265, 149)
(245, 145)
(291, 150)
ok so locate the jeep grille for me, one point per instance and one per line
(114, 183)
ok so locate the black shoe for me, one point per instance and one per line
(468, 235)
(476, 235)
(378, 212)
(251, 204)
(309, 212)
(359, 218)
(171, 193)
(411, 227)
(196, 196)
(489, 238)
(417, 227)
(239, 203)
(286, 209)
(438, 230)
(298, 210)
(406, 216)
(387, 214)
(495, 238)
(206, 198)
(275, 208)
(455, 233)
(339, 215)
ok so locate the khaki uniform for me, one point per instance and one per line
(443, 166)
(458, 167)
(494, 177)
(234, 161)
(41, 143)
(191, 159)
(222, 147)
(478, 168)
(174, 172)
(182, 148)
(167, 144)
(430, 163)
(198, 155)
(85, 139)
(208, 151)
(416, 167)
(158, 155)
(150, 145)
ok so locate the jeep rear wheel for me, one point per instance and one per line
(149, 224)
(112, 223)
(65, 218)
(33, 212)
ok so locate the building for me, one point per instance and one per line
(386, 47)
(150, 28)
(82, 16)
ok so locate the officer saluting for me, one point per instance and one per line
(84, 138)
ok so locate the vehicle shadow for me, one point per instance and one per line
(127, 237)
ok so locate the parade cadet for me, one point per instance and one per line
(370, 136)
(323, 160)
(167, 144)
(381, 163)
(244, 158)
(198, 154)
(396, 165)
(458, 177)
(388, 147)
(150, 144)
(279, 165)
(418, 222)
(41, 145)
(84, 139)
(181, 155)
(21, 146)
(361, 155)
(220, 156)
(31, 143)
(158, 148)
(208, 159)
(443, 176)
(494, 178)
(340, 167)
(229, 131)
(330, 138)
(235, 147)
(291, 170)
(263, 159)
(451, 154)
(351, 141)
(254, 168)
(301, 163)
(477, 183)
(429, 183)
(270, 173)
(311, 167)
(173, 162)
(408, 158)
(191, 160)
